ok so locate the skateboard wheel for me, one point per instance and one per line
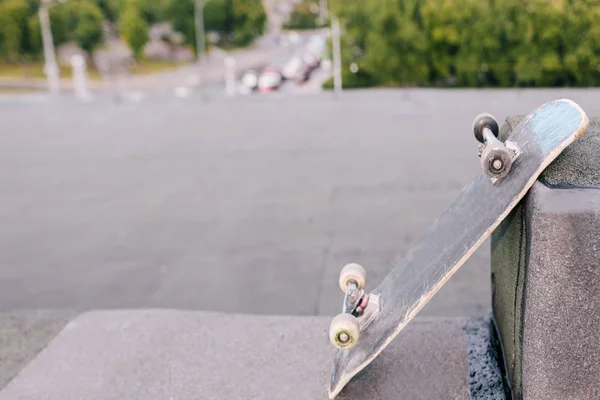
(344, 331)
(353, 272)
(485, 120)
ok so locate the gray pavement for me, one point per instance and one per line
(172, 354)
(25, 333)
(245, 206)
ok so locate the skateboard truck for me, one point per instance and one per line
(496, 157)
(358, 311)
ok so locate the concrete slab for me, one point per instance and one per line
(23, 334)
(164, 203)
(164, 354)
(152, 204)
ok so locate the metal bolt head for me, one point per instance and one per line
(343, 337)
(497, 164)
(496, 161)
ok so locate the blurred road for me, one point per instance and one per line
(251, 204)
(273, 49)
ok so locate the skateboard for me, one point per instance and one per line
(370, 321)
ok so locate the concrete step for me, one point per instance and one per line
(168, 354)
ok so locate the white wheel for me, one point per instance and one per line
(344, 331)
(353, 272)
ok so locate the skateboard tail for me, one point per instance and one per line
(344, 377)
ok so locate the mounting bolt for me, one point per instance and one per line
(343, 337)
(497, 164)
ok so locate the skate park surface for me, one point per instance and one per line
(158, 212)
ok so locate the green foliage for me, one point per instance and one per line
(396, 33)
(303, 17)
(181, 15)
(85, 22)
(360, 79)
(471, 42)
(582, 42)
(20, 33)
(133, 27)
(248, 21)
(110, 8)
(152, 11)
(238, 22)
(13, 28)
(58, 23)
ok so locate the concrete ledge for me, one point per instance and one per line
(23, 334)
(545, 280)
(163, 354)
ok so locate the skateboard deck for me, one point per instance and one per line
(458, 232)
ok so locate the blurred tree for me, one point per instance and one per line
(508, 36)
(538, 61)
(470, 42)
(215, 16)
(13, 28)
(398, 32)
(581, 35)
(354, 42)
(154, 11)
(133, 27)
(110, 8)
(80, 21)
(443, 35)
(238, 22)
(87, 22)
(478, 57)
(303, 16)
(58, 25)
(248, 19)
(181, 15)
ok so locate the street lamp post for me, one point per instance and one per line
(199, 22)
(323, 11)
(50, 65)
(337, 56)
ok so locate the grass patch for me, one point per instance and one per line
(13, 91)
(145, 67)
(35, 70)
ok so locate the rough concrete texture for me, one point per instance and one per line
(545, 280)
(135, 205)
(485, 376)
(508, 258)
(162, 354)
(561, 316)
(23, 334)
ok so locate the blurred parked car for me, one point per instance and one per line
(292, 68)
(269, 80)
(316, 45)
(304, 75)
(310, 59)
(250, 79)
